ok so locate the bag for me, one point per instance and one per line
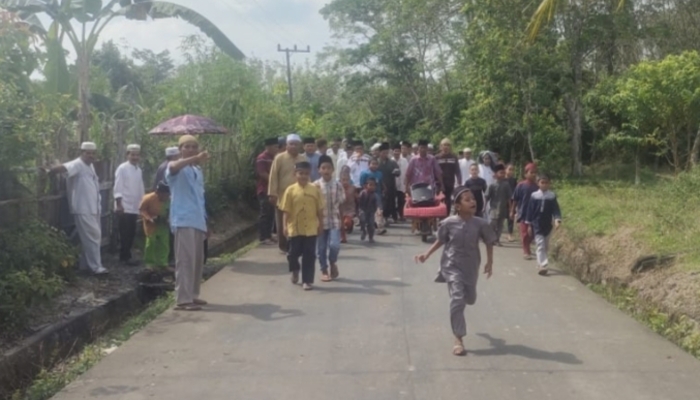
(422, 195)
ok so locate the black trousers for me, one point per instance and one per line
(389, 209)
(400, 203)
(448, 198)
(266, 219)
(304, 247)
(127, 232)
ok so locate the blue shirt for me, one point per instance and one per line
(314, 158)
(542, 210)
(187, 199)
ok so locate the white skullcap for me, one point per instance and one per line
(376, 146)
(172, 151)
(415, 145)
(133, 147)
(88, 146)
(467, 150)
(430, 145)
(293, 137)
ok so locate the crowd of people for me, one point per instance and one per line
(311, 197)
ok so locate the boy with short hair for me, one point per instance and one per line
(302, 205)
(368, 205)
(478, 187)
(519, 205)
(328, 241)
(498, 197)
(154, 210)
(542, 216)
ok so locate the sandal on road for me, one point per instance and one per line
(307, 286)
(334, 271)
(325, 277)
(200, 302)
(295, 277)
(188, 307)
(458, 350)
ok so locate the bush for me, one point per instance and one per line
(35, 262)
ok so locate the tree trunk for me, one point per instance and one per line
(573, 110)
(84, 95)
(695, 151)
(637, 178)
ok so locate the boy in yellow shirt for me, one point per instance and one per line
(302, 205)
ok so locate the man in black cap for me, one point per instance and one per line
(390, 171)
(263, 165)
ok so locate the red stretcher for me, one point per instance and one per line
(425, 218)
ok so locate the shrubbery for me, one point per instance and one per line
(35, 262)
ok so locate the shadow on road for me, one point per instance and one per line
(365, 286)
(500, 348)
(249, 267)
(264, 312)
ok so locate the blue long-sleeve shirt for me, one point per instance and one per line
(542, 210)
(521, 197)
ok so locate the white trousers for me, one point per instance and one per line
(88, 226)
(542, 243)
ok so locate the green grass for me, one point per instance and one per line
(661, 213)
(48, 383)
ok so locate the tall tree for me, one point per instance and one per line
(82, 22)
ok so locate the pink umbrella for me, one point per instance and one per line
(188, 125)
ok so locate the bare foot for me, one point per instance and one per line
(458, 348)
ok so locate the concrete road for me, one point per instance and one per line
(382, 332)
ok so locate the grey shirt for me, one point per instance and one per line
(498, 196)
(461, 257)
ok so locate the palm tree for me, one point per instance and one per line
(91, 17)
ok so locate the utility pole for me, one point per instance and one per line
(288, 51)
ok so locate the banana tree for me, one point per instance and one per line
(82, 22)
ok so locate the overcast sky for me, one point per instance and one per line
(255, 26)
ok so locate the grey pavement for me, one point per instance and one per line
(382, 332)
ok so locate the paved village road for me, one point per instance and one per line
(382, 332)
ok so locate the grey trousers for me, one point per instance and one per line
(88, 226)
(461, 295)
(542, 243)
(281, 239)
(189, 263)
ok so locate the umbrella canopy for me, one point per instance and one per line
(188, 125)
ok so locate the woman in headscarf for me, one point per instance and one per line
(487, 160)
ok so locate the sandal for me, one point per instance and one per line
(295, 277)
(200, 302)
(543, 271)
(325, 277)
(307, 286)
(188, 307)
(334, 271)
(459, 350)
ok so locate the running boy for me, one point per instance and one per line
(478, 187)
(461, 258)
(154, 210)
(368, 204)
(499, 195)
(543, 210)
(302, 205)
(328, 242)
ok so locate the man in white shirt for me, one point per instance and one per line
(465, 163)
(128, 193)
(401, 179)
(83, 188)
(358, 163)
(335, 153)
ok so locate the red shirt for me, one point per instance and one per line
(263, 165)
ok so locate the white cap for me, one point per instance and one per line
(88, 146)
(172, 151)
(293, 137)
(376, 146)
(415, 145)
(430, 145)
(467, 150)
(133, 147)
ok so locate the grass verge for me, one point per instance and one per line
(48, 383)
(680, 330)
